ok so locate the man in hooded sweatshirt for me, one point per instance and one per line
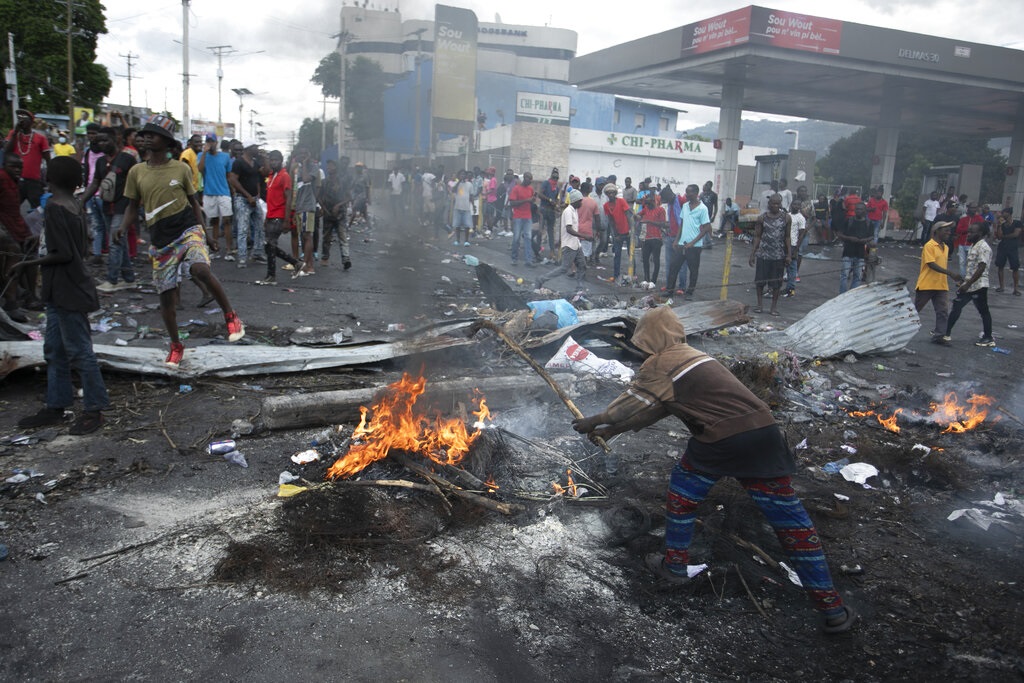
(734, 435)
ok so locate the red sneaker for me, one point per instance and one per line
(174, 357)
(236, 330)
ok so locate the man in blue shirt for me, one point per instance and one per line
(215, 166)
(695, 224)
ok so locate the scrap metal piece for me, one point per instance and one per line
(876, 318)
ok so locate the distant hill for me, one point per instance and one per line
(816, 135)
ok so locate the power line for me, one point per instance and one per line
(128, 59)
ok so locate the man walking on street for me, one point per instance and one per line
(334, 198)
(932, 283)
(572, 252)
(520, 199)
(214, 165)
(177, 236)
(975, 287)
(855, 235)
(279, 207)
(245, 178)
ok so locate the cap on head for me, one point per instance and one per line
(575, 196)
(161, 125)
(24, 112)
(942, 224)
(611, 188)
(211, 137)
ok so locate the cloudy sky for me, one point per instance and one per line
(280, 44)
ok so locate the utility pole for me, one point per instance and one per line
(343, 39)
(71, 74)
(11, 76)
(419, 57)
(323, 128)
(128, 58)
(186, 125)
(220, 51)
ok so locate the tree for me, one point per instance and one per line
(365, 83)
(849, 161)
(42, 53)
(311, 137)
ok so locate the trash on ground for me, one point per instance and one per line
(241, 428)
(835, 466)
(572, 356)
(858, 472)
(790, 574)
(305, 457)
(289, 490)
(286, 477)
(236, 458)
(561, 308)
(220, 447)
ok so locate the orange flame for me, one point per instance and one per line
(570, 486)
(890, 422)
(394, 425)
(959, 417)
(491, 485)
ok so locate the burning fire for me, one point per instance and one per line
(957, 417)
(491, 485)
(394, 425)
(961, 418)
(569, 488)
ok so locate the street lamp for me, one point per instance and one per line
(241, 92)
(796, 137)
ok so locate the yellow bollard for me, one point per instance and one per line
(725, 267)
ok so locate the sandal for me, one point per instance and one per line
(843, 626)
(775, 313)
(758, 310)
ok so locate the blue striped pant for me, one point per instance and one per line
(784, 511)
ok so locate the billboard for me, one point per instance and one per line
(788, 30)
(541, 108)
(83, 117)
(221, 130)
(453, 98)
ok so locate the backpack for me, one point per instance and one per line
(108, 187)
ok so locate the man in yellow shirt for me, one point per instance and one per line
(62, 148)
(191, 157)
(932, 283)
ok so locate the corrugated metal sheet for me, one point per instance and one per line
(876, 318)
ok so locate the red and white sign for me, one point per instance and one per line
(798, 31)
(725, 30)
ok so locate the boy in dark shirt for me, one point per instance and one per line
(69, 295)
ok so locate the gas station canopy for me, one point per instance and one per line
(798, 65)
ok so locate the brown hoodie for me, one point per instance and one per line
(679, 380)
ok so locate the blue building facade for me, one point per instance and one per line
(496, 99)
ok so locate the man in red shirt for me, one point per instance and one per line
(877, 208)
(616, 208)
(14, 234)
(279, 199)
(963, 226)
(32, 148)
(850, 203)
(520, 198)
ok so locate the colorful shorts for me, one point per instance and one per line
(305, 221)
(189, 249)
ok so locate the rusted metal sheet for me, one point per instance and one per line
(873, 319)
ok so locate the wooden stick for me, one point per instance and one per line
(749, 593)
(400, 483)
(124, 549)
(1010, 415)
(482, 501)
(518, 350)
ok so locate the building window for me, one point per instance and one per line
(639, 120)
(663, 124)
(616, 118)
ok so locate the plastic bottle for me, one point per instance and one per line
(323, 437)
(998, 349)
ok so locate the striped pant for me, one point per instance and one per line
(785, 512)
